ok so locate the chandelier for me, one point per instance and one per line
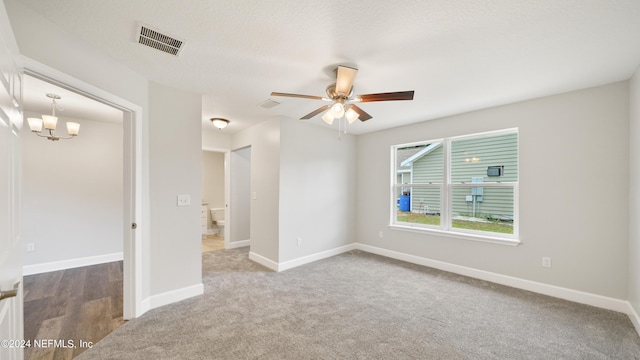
(50, 122)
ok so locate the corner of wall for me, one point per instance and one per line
(634, 198)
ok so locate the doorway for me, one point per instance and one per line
(214, 200)
(241, 197)
(134, 179)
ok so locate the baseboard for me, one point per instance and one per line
(315, 257)
(263, 261)
(237, 244)
(173, 296)
(70, 264)
(275, 266)
(633, 316)
(533, 286)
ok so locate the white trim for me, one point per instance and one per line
(289, 264)
(263, 261)
(633, 316)
(424, 229)
(540, 288)
(236, 244)
(169, 297)
(429, 148)
(70, 263)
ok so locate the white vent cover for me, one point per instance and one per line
(156, 39)
(268, 104)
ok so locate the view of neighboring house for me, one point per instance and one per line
(476, 160)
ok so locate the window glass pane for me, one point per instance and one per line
(419, 205)
(483, 208)
(420, 164)
(485, 159)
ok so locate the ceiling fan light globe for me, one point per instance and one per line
(328, 117)
(351, 115)
(337, 110)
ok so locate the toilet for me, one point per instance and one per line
(217, 217)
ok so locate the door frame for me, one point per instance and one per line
(135, 182)
(227, 191)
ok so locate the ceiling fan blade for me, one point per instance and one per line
(363, 114)
(344, 79)
(400, 95)
(312, 97)
(315, 112)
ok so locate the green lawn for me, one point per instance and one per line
(459, 224)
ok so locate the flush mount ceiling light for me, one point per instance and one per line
(220, 123)
(50, 122)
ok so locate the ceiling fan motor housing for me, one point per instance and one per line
(333, 95)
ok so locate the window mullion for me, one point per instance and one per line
(445, 216)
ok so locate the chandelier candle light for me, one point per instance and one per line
(50, 122)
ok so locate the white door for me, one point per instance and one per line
(11, 317)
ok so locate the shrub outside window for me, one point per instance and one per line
(466, 185)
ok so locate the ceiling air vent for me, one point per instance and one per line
(159, 41)
(268, 104)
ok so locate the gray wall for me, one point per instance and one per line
(317, 189)
(264, 139)
(574, 154)
(72, 199)
(174, 169)
(634, 196)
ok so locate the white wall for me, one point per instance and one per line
(72, 193)
(240, 201)
(634, 196)
(264, 140)
(215, 139)
(212, 181)
(175, 169)
(574, 181)
(317, 189)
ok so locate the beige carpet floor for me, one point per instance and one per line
(362, 306)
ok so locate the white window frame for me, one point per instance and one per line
(446, 196)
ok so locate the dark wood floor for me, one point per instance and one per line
(81, 304)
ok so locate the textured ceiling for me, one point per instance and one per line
(458, 56)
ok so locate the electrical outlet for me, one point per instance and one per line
(184, 200)
(546, 262)
(299, 240)
(31, 247)
(380, 234)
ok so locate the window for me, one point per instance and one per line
(466, 185)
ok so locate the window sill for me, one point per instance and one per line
(458, 235)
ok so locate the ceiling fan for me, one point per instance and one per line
(340, 94)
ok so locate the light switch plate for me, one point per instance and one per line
(184, 200)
